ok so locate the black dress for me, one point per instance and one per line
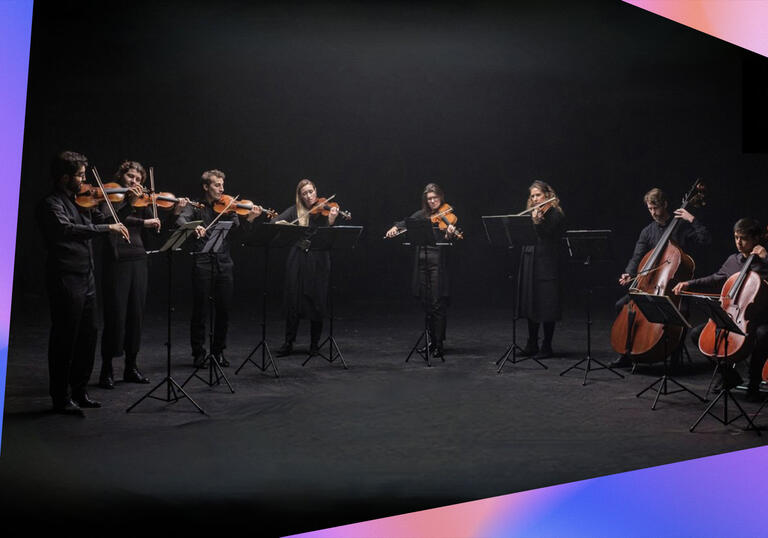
(539, 298)
(307, 274)
(431, 281)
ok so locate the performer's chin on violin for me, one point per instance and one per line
(307, 271)
(539, 295)
(431, 281)
(744, 296)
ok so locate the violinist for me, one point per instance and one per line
(430, 271)
(688, 233)
(747, 235)
(67, 232)
(124, 283)
(216, 269)
(307, 271)
(539, 299)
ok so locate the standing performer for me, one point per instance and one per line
(539, 299)
(67, 233)
(206, 267)
(747, 234)
(689, 232)
(430, 270)
(307, 271)
(124, 283)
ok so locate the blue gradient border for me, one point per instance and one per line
(15, 35)
(717, 496)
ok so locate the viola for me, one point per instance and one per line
(240, 207)
(323, 207)
(91, 196)
(164, 200)
(446, 217)
(659, 271)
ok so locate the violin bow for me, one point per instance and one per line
(232, 201)
(106, 198)
(152, 194)
(526, 211)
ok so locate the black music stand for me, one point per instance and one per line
(178, 237)
(587, 247)
(421, 235)
(214, 239)
(512, 231)
(268, 236)
(724, 325)
(333, 238)
(661, 309)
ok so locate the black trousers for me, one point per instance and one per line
(210, 279)
(125, 292)
(435, 307)
(72, 342)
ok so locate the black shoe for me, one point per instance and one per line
(85, 402)
(67, 407)
(106, 379)
(530, 349)
(622, 361)
(284, 350)
(198, 359)
(132, 375)
(545, 353)
(423, 349)
(314, 349)
(220, 359)
(438, 352)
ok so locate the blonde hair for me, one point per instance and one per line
(302, 211)
(655, 196)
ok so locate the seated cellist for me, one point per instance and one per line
(747, 234)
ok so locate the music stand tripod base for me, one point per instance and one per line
(332, 238)
(660, 309)
(174, 391)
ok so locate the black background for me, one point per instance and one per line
(602, 100)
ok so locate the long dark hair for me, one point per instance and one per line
(434, 188)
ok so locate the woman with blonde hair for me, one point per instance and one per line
(307, 271)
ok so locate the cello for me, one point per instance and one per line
(659, 270)
(743, 297)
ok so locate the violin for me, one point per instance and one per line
(323, 207)
(240, 207)
(660, 269)
(91, 196)
(446, 217)
(164, 200)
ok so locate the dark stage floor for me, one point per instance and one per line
(324, 446)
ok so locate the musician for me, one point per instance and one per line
(216, 269)
(687, 234)
(539, 299)
(430, 271)
(747, 234)
(124, 279)
(67, 232)
(307, 271)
